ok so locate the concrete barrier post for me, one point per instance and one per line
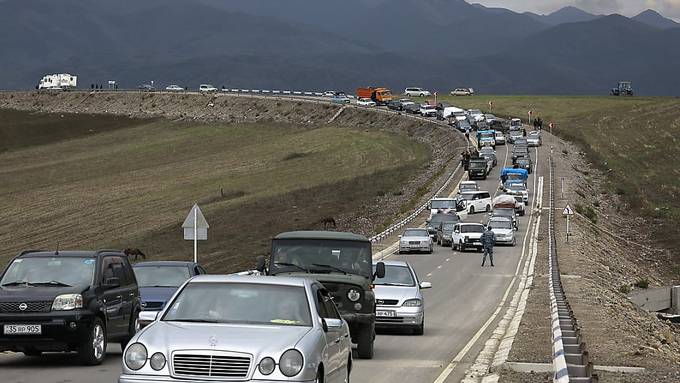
(675, 300)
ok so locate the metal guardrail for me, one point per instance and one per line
(570, 358)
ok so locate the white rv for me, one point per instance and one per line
(58, 81)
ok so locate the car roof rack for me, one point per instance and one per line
(29, 251)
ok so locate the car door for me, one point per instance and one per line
(333, 337)
(130, 292)
(455, 237)
(112, 299)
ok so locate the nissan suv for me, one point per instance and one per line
(343, 263)
(68, 301)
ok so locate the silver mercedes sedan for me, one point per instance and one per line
(399, 302)
(242, 328)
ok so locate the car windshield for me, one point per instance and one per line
(395, 276)
(438, 218)
(161, 276)
(321, 256)
(241, 303)
(443, 204)
(415, 233)
(468, 187)
(500, 224)
(475, 111)
(448, 226)
(517, 186)
(54, 271)
(516, 133)
(477, 165)
(472, 229)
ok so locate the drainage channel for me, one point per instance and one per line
(570, 358)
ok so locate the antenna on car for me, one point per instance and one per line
(56, 252)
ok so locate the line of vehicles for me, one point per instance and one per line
(294, 318)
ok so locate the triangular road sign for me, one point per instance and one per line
(201, 223)
(567, 210)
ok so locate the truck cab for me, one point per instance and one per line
(342, 262)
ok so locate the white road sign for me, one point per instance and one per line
(201, 228)
(567, 210)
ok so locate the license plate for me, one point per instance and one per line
(385, 313)
(22, 329)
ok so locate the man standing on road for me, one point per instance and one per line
(488, 240)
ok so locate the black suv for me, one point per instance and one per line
(68, 301)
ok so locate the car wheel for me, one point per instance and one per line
(472, 210)
(133, 328)
(32, 352)
(365, 343)
(488, 208)
(431, 250)
(93, 351)
(420, 330)
(514, 241)
(319, 376)
(461, 247)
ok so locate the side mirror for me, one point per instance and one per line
(332, 324)
(260, 264)
(457, 231)
(399, 236)
(380, 270)
(432, 235)
(147, 317)
(111, 283)
(425, 285)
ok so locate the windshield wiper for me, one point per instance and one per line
(339, 270)
(17, 283)
(52, 283)
(292, 265)
(193, 320)
(160, 286)
(392, 284)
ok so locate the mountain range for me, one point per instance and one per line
(303, 44)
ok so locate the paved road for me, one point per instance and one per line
(462, 299)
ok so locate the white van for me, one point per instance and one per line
(445, 206)
(477, 201)
(207, 88)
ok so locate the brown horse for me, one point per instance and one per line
(134, 252)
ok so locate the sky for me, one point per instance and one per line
(668, 8)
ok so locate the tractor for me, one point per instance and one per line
(623, 89)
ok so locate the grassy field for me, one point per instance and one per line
(97, 181)
(637, 138)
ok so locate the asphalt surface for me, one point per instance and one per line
(463, 298)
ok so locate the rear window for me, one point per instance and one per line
(472, 229)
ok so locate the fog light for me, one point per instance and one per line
(72, 325)
(357, 306)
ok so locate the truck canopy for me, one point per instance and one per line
(518, 173)
(504, 200)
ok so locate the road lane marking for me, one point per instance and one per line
(461, 354)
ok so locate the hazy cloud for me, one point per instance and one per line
(668, 8)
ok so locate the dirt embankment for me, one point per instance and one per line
(379, 201)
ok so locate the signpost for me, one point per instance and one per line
(562, 188)
(529, 117)
(195, 228)
(567, 212)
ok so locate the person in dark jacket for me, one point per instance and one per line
(488, 241)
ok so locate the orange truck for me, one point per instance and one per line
(380, 96)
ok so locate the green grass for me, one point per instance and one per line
(133, 183)
(636, 137)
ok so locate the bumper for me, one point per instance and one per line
(403, 317)
(407, 248)
(60, 331)
(124, 378)
(504, 241)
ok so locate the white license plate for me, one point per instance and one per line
(22, 329)
(385, 313)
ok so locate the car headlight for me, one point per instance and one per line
(291, 363)
(353, 295)
(67, 302)
(412, 303)
(267, 366)
(157, 361)
(135, 356)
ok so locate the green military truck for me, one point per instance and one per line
(343, 263)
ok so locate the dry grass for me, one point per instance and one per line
(134, 182)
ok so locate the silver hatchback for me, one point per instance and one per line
(399, 302)
(243, 328)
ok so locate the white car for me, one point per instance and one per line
(466, 235)
(329, 93)
(365, 102)
(461, 92)
(476, 201)
(515, 124)
(504, 230)
(534, 138)
(415, 240)
(428, 110)
(476, 115)
(417, 92)
(207, 88)
(468, 186)
(518, 189)
(173, 88)
(500, 138)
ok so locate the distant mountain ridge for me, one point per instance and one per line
(438, 44)
(654, 19)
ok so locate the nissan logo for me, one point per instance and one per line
(23, 306)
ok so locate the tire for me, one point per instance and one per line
(472, 210)
(32, 352)
(133, 328)
(420, 330)
(93, 351)
(319, 376)
(431, 250)
(365, 342)
(461, 247)
(488, 208)
(514, 242)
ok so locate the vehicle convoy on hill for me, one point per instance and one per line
(624, 88)
(68, 301)
(58, 81)
(381, 96)
(343, 263)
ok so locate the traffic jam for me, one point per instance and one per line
(306, 310)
